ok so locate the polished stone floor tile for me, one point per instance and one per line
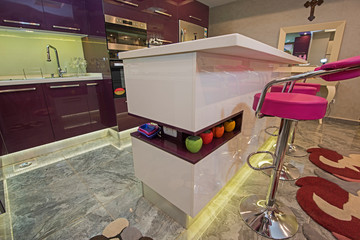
(112, 178)
(38, 214)
(92, 159)
(150, 220)
(88, 226)
(40, 177)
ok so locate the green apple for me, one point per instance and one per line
(193, 143)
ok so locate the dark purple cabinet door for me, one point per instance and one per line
(22, 13)
(24, 120)
(65, 15)
(129, 9)
(162, 20)
(68, 108)
(100, 105)
(107, 106)
(164, 9)
(3, 149)
(95, 18)
(194, 12)
(164, 29)
(124, 120)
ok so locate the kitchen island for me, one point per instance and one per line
(188, 88)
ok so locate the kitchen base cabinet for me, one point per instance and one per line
(124, 120)
(68, 108)
(100, 104)
(24, 121)
(36, 114)
(79, 107)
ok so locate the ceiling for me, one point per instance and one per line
(215, 3)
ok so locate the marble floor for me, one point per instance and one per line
(77, 195)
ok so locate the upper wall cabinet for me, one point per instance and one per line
(166, 10)
(95, 18)
(161, 21)
(65, 15)
(22, 13)
(194, 12)
(129, 9)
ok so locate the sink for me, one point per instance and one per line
(68, 76)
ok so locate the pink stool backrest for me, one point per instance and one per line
(345, 63)
(334, 71)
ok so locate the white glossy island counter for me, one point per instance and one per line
(192, 87)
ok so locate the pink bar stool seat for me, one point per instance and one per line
(296, 89)
(293, 106)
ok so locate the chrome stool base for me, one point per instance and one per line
(288, 172)
(296, 151)
(276, 222)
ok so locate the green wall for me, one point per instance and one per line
(24, 49)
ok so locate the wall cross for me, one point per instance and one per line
(313, 4)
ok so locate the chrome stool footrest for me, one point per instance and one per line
(288, 172)
(260, 168)
(267, 130)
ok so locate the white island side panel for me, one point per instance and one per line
(161, 88)
(226, 85)
(168, 175)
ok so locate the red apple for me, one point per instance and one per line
(207, 136)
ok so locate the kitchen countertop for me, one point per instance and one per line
(19, 80)
(231, 44)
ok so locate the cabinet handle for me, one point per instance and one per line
(21, 22)
(66, 28)
(163, 13)
(65, 86)
(163, 40)
(128, 3)
(91, 84)
(17, 90)
(196, 18)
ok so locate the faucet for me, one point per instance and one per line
(61, 72)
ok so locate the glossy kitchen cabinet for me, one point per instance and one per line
(3, 149)
(162, 21)
(165, 9)
(77, 108)
(24, 121)
(194, 12)
(65, 15)
(68, 108)
(100, 104)
(124, 120)
(95, 18)
(128, 9)
(162, 29)
(22, 13)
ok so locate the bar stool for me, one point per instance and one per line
(299, 87)
(290, 172)
(265, 215)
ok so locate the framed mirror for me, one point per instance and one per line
(316, 43)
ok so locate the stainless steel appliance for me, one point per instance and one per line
(118, 79)
(124, 34)
(190, 31)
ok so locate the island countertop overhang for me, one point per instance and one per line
(231, 44)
